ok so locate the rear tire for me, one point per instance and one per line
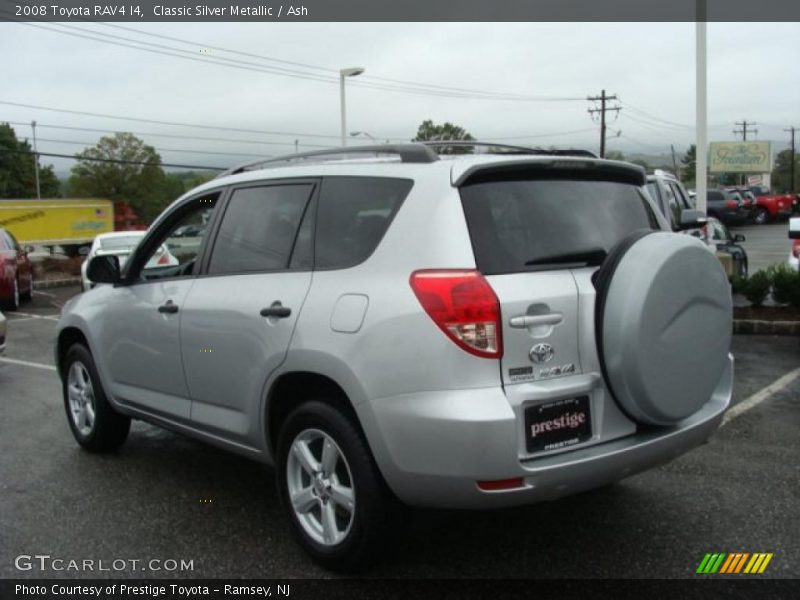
(13, 302)
(27, 296)
(761, 217)
(97, 427)
(344, 515)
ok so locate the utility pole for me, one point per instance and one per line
(603, 98)
(296, 146)
(36, 160)
(675, 162)
(792, 187)
(744, 124)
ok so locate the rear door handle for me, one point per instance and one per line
(170, 307)
(525, 321)
(276, 310)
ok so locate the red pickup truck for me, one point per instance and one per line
(771, 207)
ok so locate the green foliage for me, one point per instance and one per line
(17, 170)
(755, 288)
(781, 174)
(140, 181)
(429, 131)
(785, 284)
(688, 171)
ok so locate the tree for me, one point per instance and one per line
(17, 171)
(615, 155)
(139, 180)
(782, 173)
(429, 131)
(688, 161)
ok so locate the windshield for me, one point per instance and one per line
(127, 242)
(532, 225)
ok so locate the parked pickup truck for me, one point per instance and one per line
(771, 207)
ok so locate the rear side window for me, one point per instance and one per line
(353, 215)
(259, 228)
(533, 225)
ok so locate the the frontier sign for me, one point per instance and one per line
(740, 157)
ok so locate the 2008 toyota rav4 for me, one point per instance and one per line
(484, 331)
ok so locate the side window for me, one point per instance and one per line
(672, 202)
(715, 196)
(683, 202)
(259, 228)
(353, 215)
(13, 244)
(178, 245)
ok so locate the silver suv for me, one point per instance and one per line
(469, 331)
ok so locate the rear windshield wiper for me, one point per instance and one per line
(594, 256)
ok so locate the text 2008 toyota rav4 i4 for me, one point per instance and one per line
(401, 329)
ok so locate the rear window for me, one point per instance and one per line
(353, 215)
(532, 225)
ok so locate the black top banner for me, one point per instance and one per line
(400, 10)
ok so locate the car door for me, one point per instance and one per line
(239, 316)
(139, 337)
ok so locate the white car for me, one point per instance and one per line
(794, 252)
(122, 244)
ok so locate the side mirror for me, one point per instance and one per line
(692, 219)
(104, 269)
(739, 238)
(794, 228)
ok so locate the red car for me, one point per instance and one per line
(771, 207)
(16, 273)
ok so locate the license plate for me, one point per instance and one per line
(557, 424)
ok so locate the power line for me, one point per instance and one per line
(166, 135)
(159, 122)
(415, 84)
(248, 66)
(115, 160)
(185, 150)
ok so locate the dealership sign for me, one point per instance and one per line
(740, 157)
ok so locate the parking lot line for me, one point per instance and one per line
(32, 316)
(25, 363)
(773, 388)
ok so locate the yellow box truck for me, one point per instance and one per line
(57, 222)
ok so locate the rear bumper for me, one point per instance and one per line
(433, 448)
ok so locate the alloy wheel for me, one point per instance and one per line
(81, 398)
(320, 486)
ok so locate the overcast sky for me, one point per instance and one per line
(753, 74)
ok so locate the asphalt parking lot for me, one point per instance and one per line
(765, 244)
(167, 497)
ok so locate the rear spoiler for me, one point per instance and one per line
(582, 167)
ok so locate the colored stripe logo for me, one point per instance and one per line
(734, 563)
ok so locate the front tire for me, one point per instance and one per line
(97, 427)
(340, 508)
(13, 301)
(761, 217)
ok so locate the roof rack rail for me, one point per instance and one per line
(408, 153)
(508, 148)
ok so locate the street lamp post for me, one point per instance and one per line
(351, 72)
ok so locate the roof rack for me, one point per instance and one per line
(508, 149)
(414, 152)
(408, 153)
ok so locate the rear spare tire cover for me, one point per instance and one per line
(664, 325)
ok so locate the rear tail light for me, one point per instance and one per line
(164, 260)
(501, 484)
(464, 306)
(796, 249)
(731, 204)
